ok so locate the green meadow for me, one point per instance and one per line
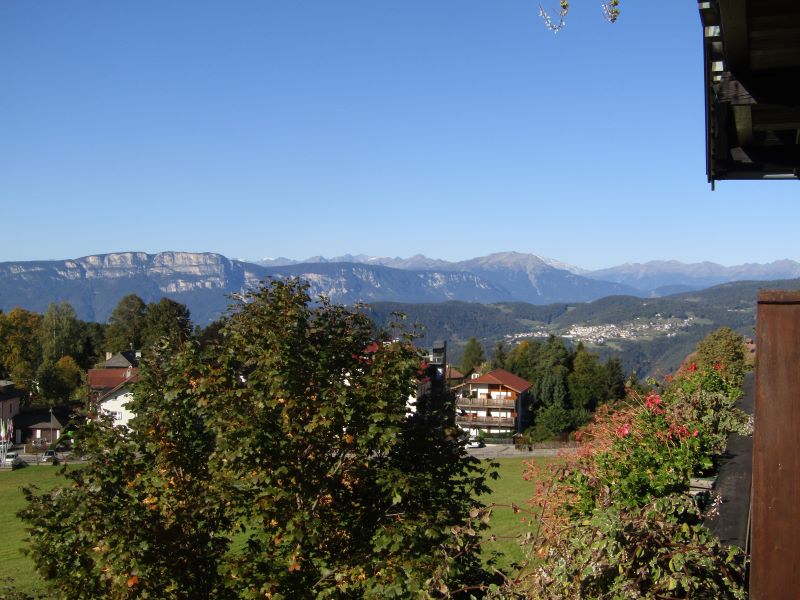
(15, 567)
(507, 527)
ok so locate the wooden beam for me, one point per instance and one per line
(743, 119)
(766, 117)
(733, 17)
(775, 528)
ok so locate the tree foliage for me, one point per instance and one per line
(473, 355)
(568, 385)
(141, 518)
(615, 520)
(499, 356)
(126, 325)
(20, 352)
(610, 8)
(286, 434)
(61, 333)
(166, 320)
(723, 349)
(58, 381)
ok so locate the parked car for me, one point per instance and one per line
(49, 455)
(13, 460)
(474, 442)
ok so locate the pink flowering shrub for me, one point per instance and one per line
(616, 519)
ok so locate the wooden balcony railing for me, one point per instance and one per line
(487, 402)
(478, 420)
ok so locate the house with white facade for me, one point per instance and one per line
(495, 403)
(115, 402)
(111, 385)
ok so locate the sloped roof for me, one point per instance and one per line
(503, 377)
(106, 379)
(453, 373)
(124, 359)
(8, 391)
(40, 419)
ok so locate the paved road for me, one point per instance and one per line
(509, 451)
(34, 460)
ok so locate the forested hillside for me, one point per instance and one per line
(649, 335)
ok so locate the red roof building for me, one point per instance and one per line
(115, 371)
(495, 403)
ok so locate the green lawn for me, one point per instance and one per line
(505, 525)
(14, 565)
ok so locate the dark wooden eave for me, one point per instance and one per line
(752, 88)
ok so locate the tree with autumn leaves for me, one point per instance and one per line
(277, 461)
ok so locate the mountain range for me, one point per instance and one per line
(656, 277)
(94, 284)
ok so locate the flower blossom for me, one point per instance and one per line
(719, 367)
(653, 401)
(693, 367)
(679, 431)
(623, 430)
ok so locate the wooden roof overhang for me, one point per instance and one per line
(752, 88)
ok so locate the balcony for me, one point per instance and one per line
(475, 420)
(483, 401)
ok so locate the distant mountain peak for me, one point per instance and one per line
(659, 274)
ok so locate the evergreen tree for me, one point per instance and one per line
(499, 356)
(473, 355)
(614, 380)
(586, 381)
(94, 344)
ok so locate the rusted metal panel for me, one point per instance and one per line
(775, 533)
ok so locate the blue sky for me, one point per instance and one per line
(451, 128)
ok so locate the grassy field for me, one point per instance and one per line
(14, 565)
(505, 525)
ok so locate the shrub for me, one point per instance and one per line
(616, 520)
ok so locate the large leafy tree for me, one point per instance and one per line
(143, 517)
(337, 489)
(61, 334)
(288, 432)
(20, 352)
(58, 381)
(166, 320)
(126, 324)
